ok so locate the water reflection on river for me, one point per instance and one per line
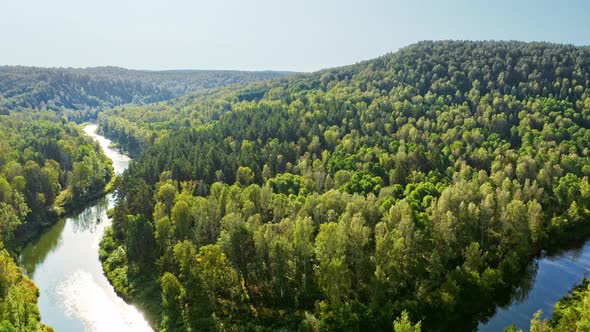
(552, 277)
(63, 262)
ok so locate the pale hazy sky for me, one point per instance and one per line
(302, 35)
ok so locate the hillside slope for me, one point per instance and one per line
(93, 89)
(423, 182)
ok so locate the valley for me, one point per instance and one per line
(442, 187)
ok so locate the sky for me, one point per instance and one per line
(301, 35)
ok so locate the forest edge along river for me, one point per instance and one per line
(74, 293)
(551, 277)
(76, 296)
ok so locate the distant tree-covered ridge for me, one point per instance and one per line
(415, 187)
(89, 90)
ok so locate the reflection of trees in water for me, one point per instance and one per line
(36, 251)
(515, 293)
(527, 282)
(86, 221)
(519, 293)
(573, 248)
(576, 252)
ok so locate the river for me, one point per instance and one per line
(76, 296)
(555, 276)
(74, 293)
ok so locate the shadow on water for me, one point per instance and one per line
(524, 287)
(503, 298)
(38, 249)
(84, 219)
(546, 279)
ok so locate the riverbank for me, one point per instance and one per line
(74, 293)
(66, 203)
(571, 313)
(142, 291)
(551, 277)
(64, 206)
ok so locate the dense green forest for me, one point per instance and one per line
(82, 93)
(46, 168)
(410, 191)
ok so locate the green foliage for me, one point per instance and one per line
(45, 166)
(139, 244)
(403, 324)
(286, 183)
(572, 312)
(18, 298)
(81, 93)
(420, 182)
(48, 166)
(363, 183)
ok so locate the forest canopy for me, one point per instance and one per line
(83, 92)
(46, 167)
(49, 167)
(415, 187)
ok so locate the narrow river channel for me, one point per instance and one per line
(63, 262)
(555, 276)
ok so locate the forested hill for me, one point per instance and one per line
(417, 185)
(92, 89)
(459, 72)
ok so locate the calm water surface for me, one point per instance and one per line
(63, 262)
(554, 278)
